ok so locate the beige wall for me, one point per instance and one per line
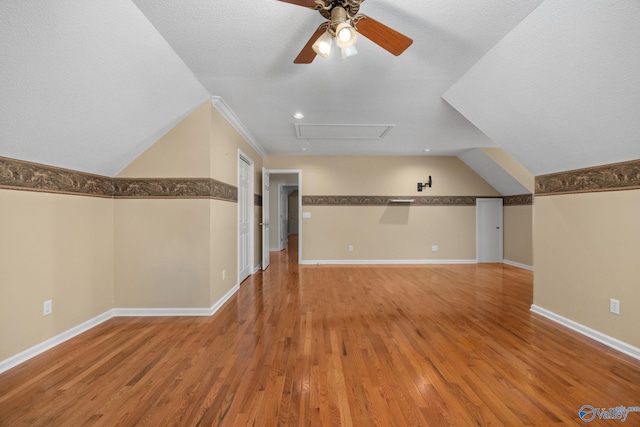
(518, 234)
(389, 233)
(379, 233)
(586, 252)
(182, 153)
(224, 248)
(511, 166)
(383, 176)
(56, 247)
(162, 253)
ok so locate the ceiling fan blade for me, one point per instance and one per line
(307, 54)
(304, 3)
(385, 37)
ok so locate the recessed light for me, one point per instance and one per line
(298, 116)
(426, 150)
(304, 149)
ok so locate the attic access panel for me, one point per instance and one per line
(345, 131)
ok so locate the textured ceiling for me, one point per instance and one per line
(562, 90)
(244, 52)
(89, 85)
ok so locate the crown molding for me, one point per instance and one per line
(219, 104)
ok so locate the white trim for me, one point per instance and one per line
(256, 269)
(222, 107)
(54, 341)
(37, 349)
(166, 312)
(251, 206)
(517, 264)
(614, 343)
(387, 261)
(161, 312)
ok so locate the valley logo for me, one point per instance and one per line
(589, 413)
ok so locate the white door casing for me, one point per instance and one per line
(265, 218)
(245, 199)
(283, 211)
(489, 232)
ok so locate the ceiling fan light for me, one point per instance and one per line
(348, 51)
(322, 46)
(346, 35)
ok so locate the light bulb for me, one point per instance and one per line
(345, 35)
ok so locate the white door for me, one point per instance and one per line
(284, 217)
(244, 212)
(489, 230)
(265, 219)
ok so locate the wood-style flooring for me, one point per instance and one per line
(297, 345)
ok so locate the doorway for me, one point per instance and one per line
(278, 183)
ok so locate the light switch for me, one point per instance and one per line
(306, 214)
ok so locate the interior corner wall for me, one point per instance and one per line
(518, 234)
(225, 144)
(52, 247)
(161, 245)
(393, 233)
(586, 252)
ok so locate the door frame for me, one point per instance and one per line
(297, 172)
(479, 242)
(282, 188)
(251, 206)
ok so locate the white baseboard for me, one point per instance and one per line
(614, 343)
(54, 341)
(257, 268)
(142, 312)
(517, 264)
(387, 261)
(116, 312)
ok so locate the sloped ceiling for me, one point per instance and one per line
(87, 85)
(244, 52)
(492, 172)
(562, 90)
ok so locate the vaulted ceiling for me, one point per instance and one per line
(89, 85)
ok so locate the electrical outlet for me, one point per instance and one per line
(46, 308)
(350, 248)
(224, 274)
(614, 306)
(434, 248)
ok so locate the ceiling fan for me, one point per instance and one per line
(343, 25)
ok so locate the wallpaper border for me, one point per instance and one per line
(28, 176)
(518, 200)
(389, 200)
(21, 175)
(611, 177)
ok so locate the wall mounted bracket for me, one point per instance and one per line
(426, 184)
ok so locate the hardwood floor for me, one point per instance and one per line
(332, 345)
